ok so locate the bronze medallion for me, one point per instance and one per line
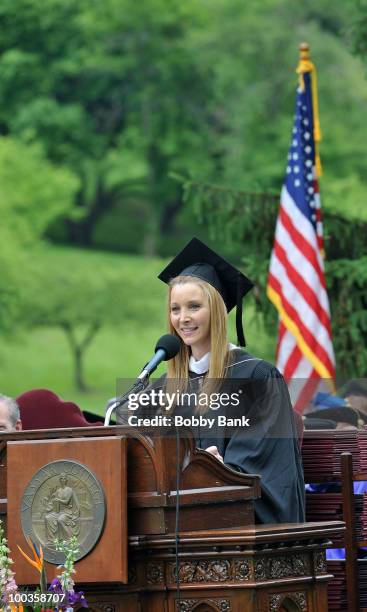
(63, 499)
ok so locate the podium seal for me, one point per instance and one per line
(63, 499)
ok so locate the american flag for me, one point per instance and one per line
(296, 282)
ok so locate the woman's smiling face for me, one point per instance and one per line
(190, 316)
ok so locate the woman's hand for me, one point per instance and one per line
(214, 451)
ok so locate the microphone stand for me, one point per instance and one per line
(139, 385)
(166, 348)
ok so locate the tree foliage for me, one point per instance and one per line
(124, 93)
(360, 29)
(116, 97)
(33, 193)
(347, 281)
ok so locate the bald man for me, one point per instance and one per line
(9, 415)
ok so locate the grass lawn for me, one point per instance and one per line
(42, 358)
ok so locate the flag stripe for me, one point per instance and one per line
(292, 362)
(297, 258)
(303, 366)
(309, 322)
(282, 330)
(307, 290)
(307, 391)
(315, 352)
(285, 345)
(307, 249)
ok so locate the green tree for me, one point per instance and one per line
(360, 30)
(33, 193)
(116, 96)
(82, 296)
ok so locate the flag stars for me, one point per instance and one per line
(299, 169)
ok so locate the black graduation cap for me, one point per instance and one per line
(355, 386)
(197, 259)
(312, 423)
(339, 415)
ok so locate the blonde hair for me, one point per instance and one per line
(178, 367)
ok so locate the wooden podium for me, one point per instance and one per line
(57, 481)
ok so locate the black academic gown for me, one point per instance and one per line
(269, 446)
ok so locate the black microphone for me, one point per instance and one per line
(166, 348)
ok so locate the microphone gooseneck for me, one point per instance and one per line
(166, 348)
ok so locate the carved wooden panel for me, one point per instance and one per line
(211, 570)
(241, 570)
(282, 566)
(154, 573)
(102, 607)
(204, 605)
(133, 575)
(278, 601)
(274, 602)
(319, 560)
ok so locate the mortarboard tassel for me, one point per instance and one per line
(239, 327)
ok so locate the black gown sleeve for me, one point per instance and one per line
(269, 447)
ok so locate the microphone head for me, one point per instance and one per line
(170, 344)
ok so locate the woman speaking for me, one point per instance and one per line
(246, 418)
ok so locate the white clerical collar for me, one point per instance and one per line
(201, 366)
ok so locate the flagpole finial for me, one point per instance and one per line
(305, 65)
(304, 51)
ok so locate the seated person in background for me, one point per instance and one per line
(334, 412)
(355, 394)
(9, 414)
(43, 409)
